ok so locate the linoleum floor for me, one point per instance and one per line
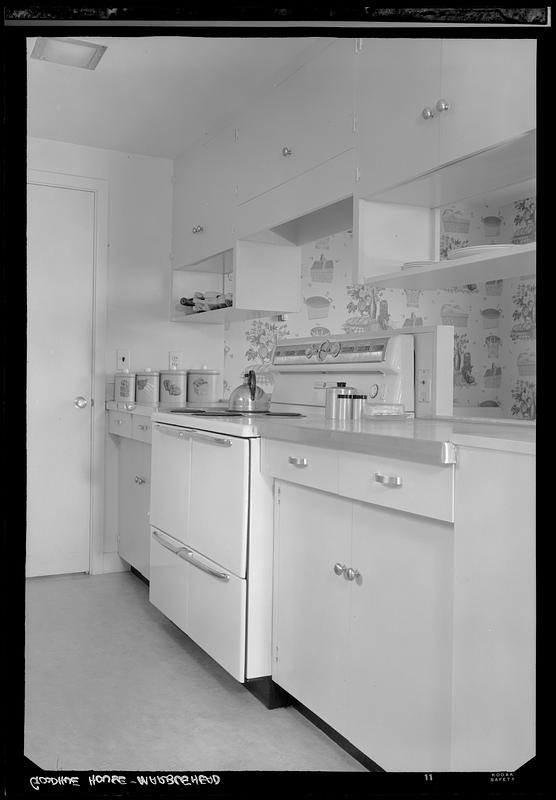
(111, 684)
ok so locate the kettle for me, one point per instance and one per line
(249, 396)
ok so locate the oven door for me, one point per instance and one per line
(219, 499)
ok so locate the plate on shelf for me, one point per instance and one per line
(411, 264)
(482, 250)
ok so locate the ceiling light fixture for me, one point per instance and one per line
(70, 52)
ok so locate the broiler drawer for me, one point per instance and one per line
(310, 466)
(424, 489)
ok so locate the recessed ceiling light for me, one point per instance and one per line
(71, 52)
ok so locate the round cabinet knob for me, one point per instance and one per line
(139, 480)
(197, 229)
(373, 391)
(442, 105)
(335, 349)
(286, 151)
(339, 568)
(80, 402)
(427, 113)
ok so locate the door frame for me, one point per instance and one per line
(99, 188)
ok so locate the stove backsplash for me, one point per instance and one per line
(495, 322)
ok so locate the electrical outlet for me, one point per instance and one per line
(175, 360)
(122, 359)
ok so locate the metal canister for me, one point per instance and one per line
(202, 385)
(147, 387)
(345, 402)
(357, 406)
(173, 384)
(331, 398)
(124, 386)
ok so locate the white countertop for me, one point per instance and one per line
(417, 439)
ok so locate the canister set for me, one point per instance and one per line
(173, 387)
(346, 404)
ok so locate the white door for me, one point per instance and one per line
(60, 255)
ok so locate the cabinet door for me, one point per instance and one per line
(204, 200)
(134, 482)
(310, 114)
(219, 499)
(400, 644)
(170, 468)
(490, 85)
(396, 80)
(313, 533)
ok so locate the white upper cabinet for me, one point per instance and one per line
(204, 199)
(424, 102)
(489, 86)
(397, 81)
(302, 122)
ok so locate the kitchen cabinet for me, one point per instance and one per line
(362, 623)
(304, 121)
(204, 199)
(262, 278)
(134, 470)
(132, 432)
(425, 102)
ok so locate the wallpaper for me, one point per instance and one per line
(495, 323)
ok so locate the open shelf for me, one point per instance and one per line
(462, 271)
(221, 315)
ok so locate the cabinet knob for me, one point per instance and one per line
(197, 229)
(286, 151)
(388, 480)
(339, 569)
(427, 113)
(352, 574)
(80, 402)
(442, 105)
(139, 480)
(298, 462)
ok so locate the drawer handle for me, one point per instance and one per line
(119, 422)
(164, 543)
(187, 555)
(143, 427)
(298, 462)
(139, 480)
(388, 480)
(175, 432)
(215, 440)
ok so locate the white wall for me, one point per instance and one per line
(140, 215)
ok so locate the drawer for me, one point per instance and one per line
(141, 428)
(119, 422)
(309, 466)
(425, 489)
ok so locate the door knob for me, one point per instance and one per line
(442, 105)
(339, 568)
(80, 402)
(139, 480)
(352, 574)
(427, 113)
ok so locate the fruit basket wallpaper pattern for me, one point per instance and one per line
(494, 358)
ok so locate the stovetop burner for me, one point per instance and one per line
(216, 412)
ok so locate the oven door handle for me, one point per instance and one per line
(218, 441)
(177, 433)
(187, 555)
(167, 545)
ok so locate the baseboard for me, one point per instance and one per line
(269, 693)
(336, 737)
(139, 575)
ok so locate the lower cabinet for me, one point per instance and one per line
(362, 628)
(135, 483)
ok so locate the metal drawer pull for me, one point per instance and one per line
(298, 462)
(352, 574)
(176, 433)
(139, 480)
(199, 437)
(187, 555)
(119, 422)
(166, 544)
(143, 427)
(339, 569)
(388, 480)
